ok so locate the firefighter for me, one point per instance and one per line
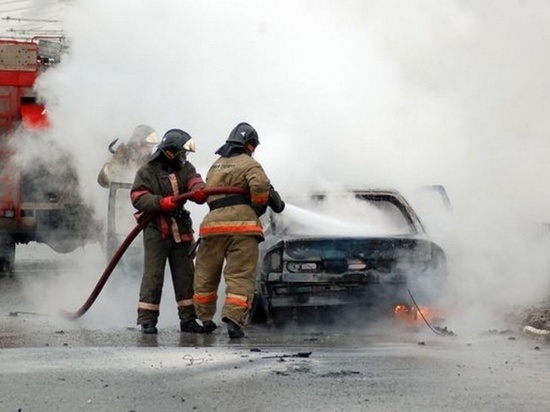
(127, 158)
(169, 236)
(231, 231)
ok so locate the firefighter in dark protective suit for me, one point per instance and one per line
(231, 231)
(169, 236)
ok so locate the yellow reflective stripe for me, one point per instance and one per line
(185, 302)
(231, 227)
(230, 223)
(237, 300)
(174, 183)
(175, 231)
(173, 224)
(233, 295)
(205, 230)
(148, 306)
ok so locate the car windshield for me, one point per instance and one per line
(345, 216)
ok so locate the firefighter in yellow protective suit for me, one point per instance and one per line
(231, 231)
(169, 236)
(128, 157)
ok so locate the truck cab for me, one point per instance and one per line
(40, 197)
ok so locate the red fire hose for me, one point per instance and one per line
(131, 236)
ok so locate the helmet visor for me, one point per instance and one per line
(189, 145)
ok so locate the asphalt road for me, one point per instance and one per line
(101, 362)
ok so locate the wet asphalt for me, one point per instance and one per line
(101, 362)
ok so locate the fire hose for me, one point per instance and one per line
(222, 190)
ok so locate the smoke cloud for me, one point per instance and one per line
(357, 93)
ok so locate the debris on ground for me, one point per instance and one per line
(340, 374)
(535, 320)
(443, 331)
(538, 316)
(541, 334)
(296, 355)
(20, 312)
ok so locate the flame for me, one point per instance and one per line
(410, 315)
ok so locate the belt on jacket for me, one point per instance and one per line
(228, 201)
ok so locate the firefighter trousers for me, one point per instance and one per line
(240, 255)
(156, 252)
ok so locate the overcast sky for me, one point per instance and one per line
(378, 93)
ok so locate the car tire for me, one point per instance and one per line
(281, 317)
(7, 255)
(258, 314)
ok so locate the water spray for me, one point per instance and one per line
(323, 224)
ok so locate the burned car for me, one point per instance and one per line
(359, 249)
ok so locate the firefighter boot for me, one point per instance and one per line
(188, 322)
(191, 326)
(149, 329)
(234, 330)
(148, 320)
(209, 326)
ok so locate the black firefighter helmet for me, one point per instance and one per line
(174, 143)
(244, 134)
(239, 140)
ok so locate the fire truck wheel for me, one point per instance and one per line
(7, 255)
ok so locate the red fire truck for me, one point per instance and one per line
(40, 199)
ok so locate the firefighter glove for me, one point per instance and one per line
(168, 204)
(198, 196)
(258, 208)
(275, 202)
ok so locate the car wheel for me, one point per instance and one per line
(258, 314)
(281, 317)
(7, 255)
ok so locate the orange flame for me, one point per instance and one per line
(410, 315)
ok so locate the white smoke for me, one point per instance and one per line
(371, 93)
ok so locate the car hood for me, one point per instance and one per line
(317, 247)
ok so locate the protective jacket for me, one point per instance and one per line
(241, 217)
(230, 233)
(157, 179)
